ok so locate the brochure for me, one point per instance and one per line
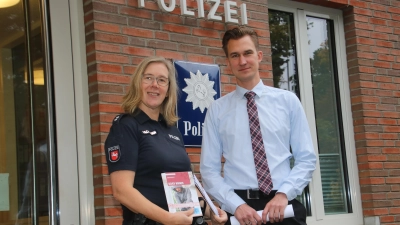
(205, 196)
(180, 191)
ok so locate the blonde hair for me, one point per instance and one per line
(133, 98)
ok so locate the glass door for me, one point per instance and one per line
(308, 59)
(25, 168)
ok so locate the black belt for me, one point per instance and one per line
(254, 194)
(140, 219)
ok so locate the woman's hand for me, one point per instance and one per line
(221, 219)
(181, 218)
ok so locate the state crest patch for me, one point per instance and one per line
(114, 153)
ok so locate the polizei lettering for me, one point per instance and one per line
(229, 9)
(173, 137)
(195, 130)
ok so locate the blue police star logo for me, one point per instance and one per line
(200, 90)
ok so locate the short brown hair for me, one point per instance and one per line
(237, 33)
(133, 98)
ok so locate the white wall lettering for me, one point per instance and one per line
(230, 9)
(184, 10)
(243, 14)
(211, 15)
(228, 12)
(200, 10)
(164, 7)
(141, 3)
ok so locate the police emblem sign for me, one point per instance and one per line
(200, 86)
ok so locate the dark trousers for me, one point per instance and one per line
(300, 213)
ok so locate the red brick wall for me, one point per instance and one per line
(118, 36)
(372, 35)
(372, 29)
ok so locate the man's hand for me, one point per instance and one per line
(275, 208)
(247, 215)
(220, 219)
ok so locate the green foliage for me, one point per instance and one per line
(325, 99)
(282, 42)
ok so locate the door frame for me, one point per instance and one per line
(72, 118)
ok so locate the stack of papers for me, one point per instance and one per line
(287, 213)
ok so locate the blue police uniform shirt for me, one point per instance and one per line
(138, 143)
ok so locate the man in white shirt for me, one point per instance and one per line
(285, 134)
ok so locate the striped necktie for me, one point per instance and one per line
(260, 158)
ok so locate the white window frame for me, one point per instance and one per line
(300, 11)
(72, 117)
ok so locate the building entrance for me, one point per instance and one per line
(26, 165)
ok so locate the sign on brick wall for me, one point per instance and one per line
(200, 86)
(230, 10)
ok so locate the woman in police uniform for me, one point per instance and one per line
(144, 142)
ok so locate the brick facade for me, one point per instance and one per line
(119, 35)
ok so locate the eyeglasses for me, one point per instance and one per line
(149, 79)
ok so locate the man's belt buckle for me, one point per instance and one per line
(253, 193)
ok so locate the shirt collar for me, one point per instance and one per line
(142, 117)
(258, 89)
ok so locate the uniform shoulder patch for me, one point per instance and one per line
(119, 117)
(114, 153)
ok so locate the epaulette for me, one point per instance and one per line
(119, 117)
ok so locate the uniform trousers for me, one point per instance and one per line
(300, 213)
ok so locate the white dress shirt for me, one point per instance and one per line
(284, 127)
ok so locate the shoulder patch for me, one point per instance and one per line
(114, 153)
(119, 117)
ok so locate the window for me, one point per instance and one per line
(308, 58)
